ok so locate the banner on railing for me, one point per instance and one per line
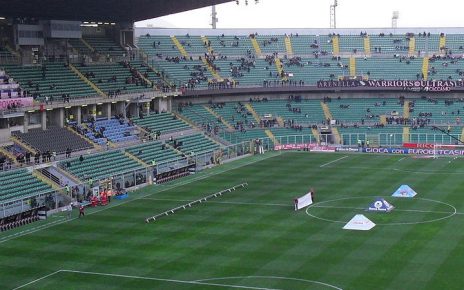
(305, 146)
(428, 146)
(19, 102)
(412, 85)
(415, 151)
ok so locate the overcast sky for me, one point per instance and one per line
(316, 14)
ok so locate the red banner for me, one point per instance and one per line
(427, 146)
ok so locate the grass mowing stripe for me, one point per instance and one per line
(174, 185)
(224, 240)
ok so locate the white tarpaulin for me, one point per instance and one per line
(303, 201)
(359, 223)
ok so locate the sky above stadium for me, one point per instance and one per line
(316, 14)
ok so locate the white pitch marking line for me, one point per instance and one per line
(402, 159)
(221, 202)
(165, 187)
(405, 210)
(272, 277)
(333, 161)
(148, 278)
(37, 280)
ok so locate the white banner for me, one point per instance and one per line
(303, 201)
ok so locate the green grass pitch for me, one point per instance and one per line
(251, 238)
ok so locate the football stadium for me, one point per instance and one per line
(227, 158)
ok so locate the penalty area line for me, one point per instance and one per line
(333, 161)
(220, 202)
(204, 283)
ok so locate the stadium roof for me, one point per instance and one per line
(99, 10)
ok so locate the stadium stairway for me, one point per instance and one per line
(66, 175)
(22, 144)
(367, 45)
(8, 154)
(255, 115)
(168, 145)
(442, 42)
(213, 72)
(425, 67)
(288, 45)
(462, 136)
(405, 134)
(182, 117)
(205, 40)
(39, 175)
(352, 66)
(406, 113)
(327, 113)
(279, 67)
(140, 74)
(86, 80)
(255, 44)
(179, 46)
(84, 42)
(272, 137)
(336, 134)
(95, 145)
(316, 135)
(412, 46)
(133, 157)
(336, 45)
(219, 117)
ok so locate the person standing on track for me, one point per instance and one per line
(81, 211)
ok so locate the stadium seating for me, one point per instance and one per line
(389, 44)
(153, 151)
(352, 44)
(311, 110)
(312, 70)
(166, 47)
(56, 80)
(224, 45)
(114, 130)
(181, 72)
(100, 165)
(197, 144)
(105, 46)
(53, 139)
(111, 78)
(271, 43)
(80, 46)
(356, 110)
(241, 136)
(392, 68)
(306, 45)
(164, 122)
(428, 44)
(192, 44)
(200, 116)
(19, 184)
(443, 113)
(234, 114)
